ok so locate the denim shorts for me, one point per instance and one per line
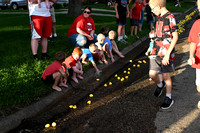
(81, 41)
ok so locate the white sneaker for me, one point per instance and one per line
(55, 35)
(50, 36)
(125, 37)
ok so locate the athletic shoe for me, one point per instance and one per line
(123, 41)
(55, 35)
(125, 37)
(158, 90)
(50, 36)
(167, 103)
(45, 56)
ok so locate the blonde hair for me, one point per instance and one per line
(93, 46)
(100, 36)
(111, 33)
(160, 3)
(77, 51)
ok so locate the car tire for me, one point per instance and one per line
(14, 6)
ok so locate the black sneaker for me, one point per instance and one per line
(45, 56)
(167, 103)
(35, 57)
(159, 90)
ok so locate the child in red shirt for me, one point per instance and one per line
(73, 64)
(54, 72)
(135, 16)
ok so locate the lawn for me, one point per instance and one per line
(20, 75)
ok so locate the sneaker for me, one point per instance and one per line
(158, 90)
(45, 56)
(125, 36)
(55, 35)
(167, 103)
(123, 41)
(50, 36)
(35, 57)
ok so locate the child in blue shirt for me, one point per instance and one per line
(88, 54)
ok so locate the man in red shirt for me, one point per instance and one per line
(194, 59)
(82, 30)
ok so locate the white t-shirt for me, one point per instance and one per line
(35, 10)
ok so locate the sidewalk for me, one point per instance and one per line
(45, 103)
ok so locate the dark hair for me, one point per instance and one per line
(60, 56)
(87, 7)
(103, 29)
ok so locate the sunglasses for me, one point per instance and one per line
(86, 12)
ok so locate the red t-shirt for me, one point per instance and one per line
(85, 24)
(194, 37)
(70, 62)
(136, 10)
(53, 68)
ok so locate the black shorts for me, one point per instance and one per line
(121, 20)
(134, 22)
(49, 79)
(70, 71)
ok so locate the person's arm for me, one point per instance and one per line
(76, 70)
(63, 73)
(166, 58)
(92, 34)
(127, 9)
(148, 50)
(95, 66)
(117, 15)
(198, 5)
(191, 59)
(83, 33)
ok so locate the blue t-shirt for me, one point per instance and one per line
(88, 53)
(107, 40)
(151, 46)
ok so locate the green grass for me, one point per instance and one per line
(20, 83)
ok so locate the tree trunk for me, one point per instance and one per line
(75, 8)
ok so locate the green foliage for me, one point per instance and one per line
(57, 6)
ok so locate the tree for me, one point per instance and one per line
(75, 7)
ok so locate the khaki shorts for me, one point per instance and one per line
(156, 65)
(197, 77)
(52, 14)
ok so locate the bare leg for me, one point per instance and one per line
(119, 30)
(44, 43)
(154, 76)
(136, 30)
(34, 46)
(132, 28)
(57, 77)
(168, 82)
(84, 56)
(115, 49)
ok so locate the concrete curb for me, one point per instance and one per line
(14, 120)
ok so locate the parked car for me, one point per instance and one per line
(62, 2)
(16, 4)
(4, 4)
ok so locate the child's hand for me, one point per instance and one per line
(165, 60)
(191, 61)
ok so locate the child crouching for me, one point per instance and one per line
(73, 64)
(54, 72)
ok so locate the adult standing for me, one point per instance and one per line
(82, 30)
(41, 27)
(122, 12)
